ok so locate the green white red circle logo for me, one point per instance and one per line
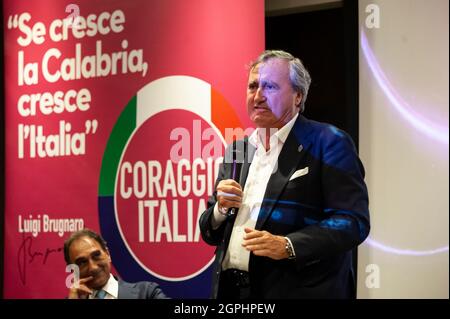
(158, 170)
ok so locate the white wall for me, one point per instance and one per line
(403, 143)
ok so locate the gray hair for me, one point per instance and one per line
(298, 74)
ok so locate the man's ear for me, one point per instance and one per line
(298, 99)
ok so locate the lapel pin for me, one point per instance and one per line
(300, 148)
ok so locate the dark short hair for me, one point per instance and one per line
(86, 232)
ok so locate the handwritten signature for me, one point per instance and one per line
(26, 256)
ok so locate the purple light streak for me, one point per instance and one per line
(409, 252)
(433, 130)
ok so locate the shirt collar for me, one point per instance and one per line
(111, 287)
(280, 134)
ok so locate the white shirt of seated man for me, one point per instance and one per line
(109, 291)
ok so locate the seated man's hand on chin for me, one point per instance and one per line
(80, 291)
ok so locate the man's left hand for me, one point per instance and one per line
(263, 243)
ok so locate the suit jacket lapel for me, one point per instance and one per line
(126, 291)
(294, 149)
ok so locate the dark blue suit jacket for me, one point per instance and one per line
(324, 213)
(140, 290)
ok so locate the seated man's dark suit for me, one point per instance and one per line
(140, 290)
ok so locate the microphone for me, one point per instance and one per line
(238, 161)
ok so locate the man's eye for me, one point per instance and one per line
(252, 86)
(80, 263)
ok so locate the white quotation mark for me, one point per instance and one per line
(373, 19)
(73, 279)
(13, 22)
(91, 126)
(373, 277)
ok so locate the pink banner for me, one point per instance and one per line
(116, 114)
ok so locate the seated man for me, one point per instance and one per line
(89, 252)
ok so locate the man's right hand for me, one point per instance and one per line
(229, 194)
(82, 292)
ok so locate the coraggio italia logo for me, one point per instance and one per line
(158, 170)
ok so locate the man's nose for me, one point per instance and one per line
(259, 96)
(92, 265)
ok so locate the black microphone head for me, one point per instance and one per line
(239, 151)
